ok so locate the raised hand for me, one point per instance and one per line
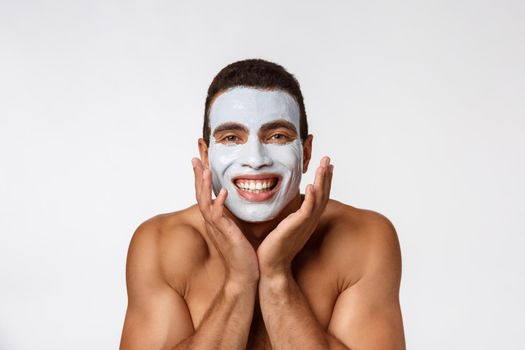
(278, 249)
(238, 255)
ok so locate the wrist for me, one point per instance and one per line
(276, 273)
(237, 288)
(276, 280)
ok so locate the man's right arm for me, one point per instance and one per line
(158, 317)
(226, 324)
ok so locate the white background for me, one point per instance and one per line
(420, 104)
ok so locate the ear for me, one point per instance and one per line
(203, 151)
(307, 151)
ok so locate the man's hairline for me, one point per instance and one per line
(228, 89)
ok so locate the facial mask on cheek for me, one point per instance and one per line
(233, 166)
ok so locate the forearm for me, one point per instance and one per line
(288, 317)
(226, 324)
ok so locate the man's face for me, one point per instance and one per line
(255, 151)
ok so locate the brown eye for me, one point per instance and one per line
(279, 138)
(231, 139)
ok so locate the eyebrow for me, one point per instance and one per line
(281, 123)
(230, 126)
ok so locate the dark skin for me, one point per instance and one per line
(321, 275)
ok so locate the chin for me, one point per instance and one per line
(254, 215)
(257, 212)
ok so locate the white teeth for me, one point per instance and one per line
(255, 185)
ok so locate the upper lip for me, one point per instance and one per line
(256, 176)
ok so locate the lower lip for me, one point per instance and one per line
(258, 197)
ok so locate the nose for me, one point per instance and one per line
(255, 155)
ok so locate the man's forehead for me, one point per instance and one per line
(253, 107)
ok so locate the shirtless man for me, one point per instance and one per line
(262, 266)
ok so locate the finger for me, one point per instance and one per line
(326, 176)
(205, 196)
(325, 161)
(309, 200)
(319, 172)
(218, 204)
(328, 182)
(225, 228)
(322, 185)
(197, 171)
(319, 183)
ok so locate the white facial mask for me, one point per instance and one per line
(253, 108)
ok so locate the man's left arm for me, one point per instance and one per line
(288, 318)
(366, 316)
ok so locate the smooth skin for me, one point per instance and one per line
(322, 275)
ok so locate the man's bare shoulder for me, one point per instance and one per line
(350, 223)
(356, 239)
(174, 241)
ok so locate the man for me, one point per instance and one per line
(262, 266)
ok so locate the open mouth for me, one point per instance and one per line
(256, 188)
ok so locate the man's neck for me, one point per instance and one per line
(256, 232)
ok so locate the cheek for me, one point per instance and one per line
(221, 157)
(289, 155)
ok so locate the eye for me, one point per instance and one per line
(230, 139)
(279, 138)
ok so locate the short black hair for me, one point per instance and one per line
(256, 73)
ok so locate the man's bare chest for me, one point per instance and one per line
(316, 280)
